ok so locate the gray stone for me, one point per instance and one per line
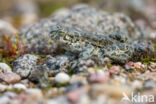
(25, 64)
(57, 64)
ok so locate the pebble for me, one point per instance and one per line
(84, 99)
(5, 100)
(20, 98)
(19, 86)
(25, 64)
(5, 68)
(9, 77)
(99, 77)
(137, 65)
(140, 67)
(34, 93)
(137, 84)
(56, 64)
(128, 68)
(129, 63)
(3, 87)
(75, 95)
(148, 84)
(10, 94)
(114, 69)
(62, 78)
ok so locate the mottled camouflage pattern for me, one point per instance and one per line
(115, 46)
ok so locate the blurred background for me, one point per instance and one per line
(25, 12)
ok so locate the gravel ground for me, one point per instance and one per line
(40, 65)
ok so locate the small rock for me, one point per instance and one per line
(34, 93)
(128, 68)
(5, 68)
(62, 78)
(84, 99)
(136, 84)
(19, 86)
(10, 77)
(20, 98)
(129, 63)
(10, 94)
(75, 95)
(99, 77)
(5, 100)
(137, 65)
(3, 87)
(149, 84)
(56, 64)
(140, 67)
(114, 69)
(25, 64)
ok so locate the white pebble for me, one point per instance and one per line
(5, 68)
(19, 86)
(62, 78)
